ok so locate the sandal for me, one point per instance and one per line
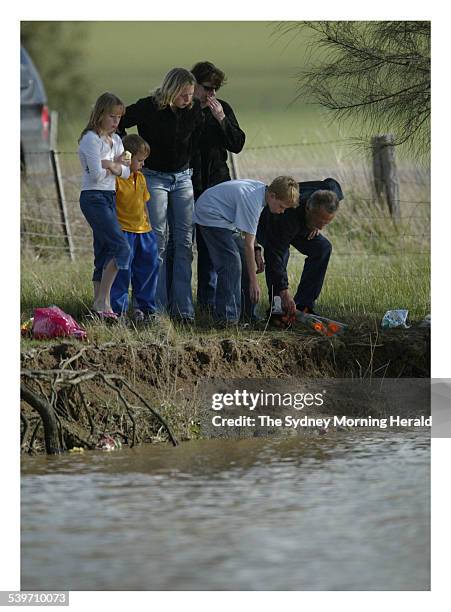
(104, 316)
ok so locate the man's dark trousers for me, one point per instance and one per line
(318, 251)
(206, 274)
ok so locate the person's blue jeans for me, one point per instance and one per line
(206, 275)
(171, 216)
(226, 250)
(207, 279)
(99, 208)
(142, 274)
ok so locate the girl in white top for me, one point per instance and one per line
(102, 158)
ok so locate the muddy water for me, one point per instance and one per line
(347, 512)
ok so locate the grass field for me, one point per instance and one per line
(376, 265)
(131, 58)
(354, 290)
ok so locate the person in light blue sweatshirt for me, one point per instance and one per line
(102, 159)
(227, 215)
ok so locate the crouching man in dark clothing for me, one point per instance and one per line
(300, 227)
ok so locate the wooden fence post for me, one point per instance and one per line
(386, 185)
(53, 130)
(62, 203)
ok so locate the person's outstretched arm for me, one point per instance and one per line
(254, 288)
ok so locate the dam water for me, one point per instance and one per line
(349, 511)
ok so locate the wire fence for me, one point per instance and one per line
(361, 226)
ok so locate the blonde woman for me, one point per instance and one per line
(170, 120)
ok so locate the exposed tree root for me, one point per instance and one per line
(89, 396)
(60, 397)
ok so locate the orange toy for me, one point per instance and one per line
(323, 326)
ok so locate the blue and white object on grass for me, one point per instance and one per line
(395, 318)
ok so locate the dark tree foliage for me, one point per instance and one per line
(57, 49)
(376, 72)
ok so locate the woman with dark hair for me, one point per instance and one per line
(221, 133)
(170, 120)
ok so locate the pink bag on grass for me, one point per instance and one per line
(52, 322)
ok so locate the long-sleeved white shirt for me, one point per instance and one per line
(91, 151)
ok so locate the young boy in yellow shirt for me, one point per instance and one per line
(131, 206)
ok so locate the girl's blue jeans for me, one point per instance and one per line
(99, 208)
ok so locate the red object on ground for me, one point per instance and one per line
(52, 322)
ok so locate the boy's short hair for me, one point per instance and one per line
(324, 198)
(206, 71)
(135, 144)
(287, 189)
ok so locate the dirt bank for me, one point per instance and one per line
(404, 353)
(111, 388)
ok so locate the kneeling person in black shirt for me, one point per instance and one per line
(300, 227)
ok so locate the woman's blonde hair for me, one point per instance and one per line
(104, 104)
(287, 189)
(173, 83)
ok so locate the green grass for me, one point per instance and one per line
(130, 58)
(356, 291)
(259, 67)
(375, 266)
(56, 281)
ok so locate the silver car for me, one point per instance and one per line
(34, 119)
